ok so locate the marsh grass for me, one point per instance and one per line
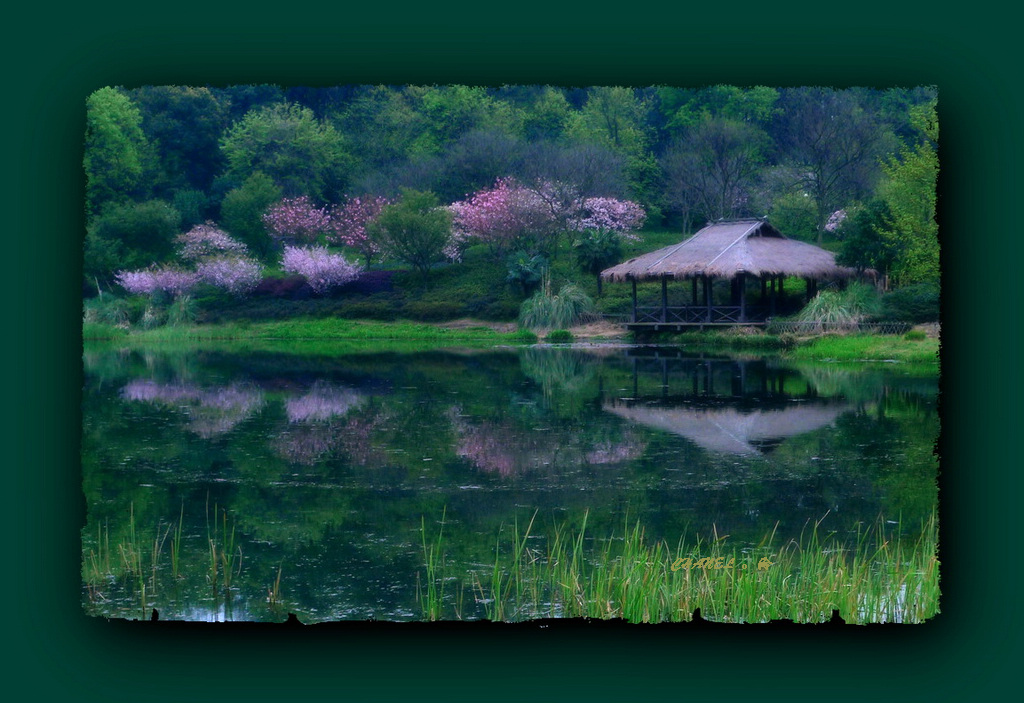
(870, 575)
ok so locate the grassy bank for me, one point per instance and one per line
(828, 347)
(873, 576)
(322, 330)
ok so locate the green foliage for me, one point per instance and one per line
(858, 302)
(242, 212)
(525, 270)
(863, 245)
(917, 303)
(182, 311)
(915, 335)
(570, 306)
(910, 195)
(192, 205)
(414, 230)
(116, 149)
(301, 154)
(559, 337)
(795, 215)
(130, 235)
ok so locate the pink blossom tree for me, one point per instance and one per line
(238, 275)
(602, 224)
(323, 270)
(348, 224)
(507, 217)
(297, 219)
(207, 240)
(156, 280)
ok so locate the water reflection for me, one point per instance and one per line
(727, 406)
(327, 467)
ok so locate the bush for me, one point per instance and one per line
(568, 307)
(559, 337)
(431, 311)
(915, 335)
(917, 304)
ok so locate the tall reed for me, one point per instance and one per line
(879, 576)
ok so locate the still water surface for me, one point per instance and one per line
(246, 486)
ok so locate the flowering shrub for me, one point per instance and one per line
(206, 240)
(321, 269)
(348, 224)
(238, 275)
(835, 220)
(609, 215)
(297, 218)
(156, 279)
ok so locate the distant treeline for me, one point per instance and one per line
(856, 165)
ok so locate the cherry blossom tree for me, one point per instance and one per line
(602, 224)
(207, 240)
(238, 275)
(506, 218)
(322, 269)
(157, 279)
(297, 219)
(348, 224)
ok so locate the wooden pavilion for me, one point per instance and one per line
(742, 252)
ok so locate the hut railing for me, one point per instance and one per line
(697, 314)
(780, 326)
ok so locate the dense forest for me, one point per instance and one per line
(853, 170)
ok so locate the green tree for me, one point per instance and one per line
(864, 246)
(116, 149)
(415, 230)
(130, 235)
(909, 193)
(303, 155)
(184, 124)
(242, 211)
(833, 145)
(713, 168)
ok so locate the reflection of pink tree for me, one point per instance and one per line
(211, 411)
(323, 402)
(607, 452)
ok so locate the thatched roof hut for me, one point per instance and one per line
(728, 248)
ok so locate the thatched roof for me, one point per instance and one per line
(727, 248)
(729, 430)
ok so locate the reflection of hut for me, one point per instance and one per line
(731, 431)
(739, 251)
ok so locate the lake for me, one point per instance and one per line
(222, 484)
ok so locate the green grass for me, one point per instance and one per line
(872, 576)
(325, 329)
(867, 347)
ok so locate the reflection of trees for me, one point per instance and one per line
(562, 370)
(323, 402)
(503, 448)
(211, 411)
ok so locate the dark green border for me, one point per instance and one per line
(57, 58)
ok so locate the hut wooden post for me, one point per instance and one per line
(664, 298)
(707, 295)
(633, 281)
(771, 300)
(743, 297)
(693, 290)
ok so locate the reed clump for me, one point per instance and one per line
(871, 575)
